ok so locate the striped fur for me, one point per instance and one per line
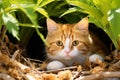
(71, 43)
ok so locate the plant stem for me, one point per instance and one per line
(41, 36)
(28, 25)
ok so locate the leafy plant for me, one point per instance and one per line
(21, 17)
(103, 13)
(16, 14)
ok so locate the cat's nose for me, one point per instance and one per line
(67, 51)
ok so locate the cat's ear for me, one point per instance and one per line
(82, 24)
(51, 25)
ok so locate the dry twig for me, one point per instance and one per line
(100, 76)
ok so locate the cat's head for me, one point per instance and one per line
(67, 41)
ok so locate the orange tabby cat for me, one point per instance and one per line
(72, 43)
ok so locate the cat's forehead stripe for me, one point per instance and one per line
(67, 31)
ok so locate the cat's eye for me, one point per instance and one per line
(59, 43)
(75, 43)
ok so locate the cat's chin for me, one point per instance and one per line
(67, 58)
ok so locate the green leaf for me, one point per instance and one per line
(22, 2)
(38, 2)
(45, 2)
(42, 11)
(5, 3)
(103, 5)
(114, 18)
(91, 10)
(56, 8)
(70, 10)
(30, 12)
(11, 24)
(115, 4)
(1, 4)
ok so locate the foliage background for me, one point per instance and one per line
(24, 17)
